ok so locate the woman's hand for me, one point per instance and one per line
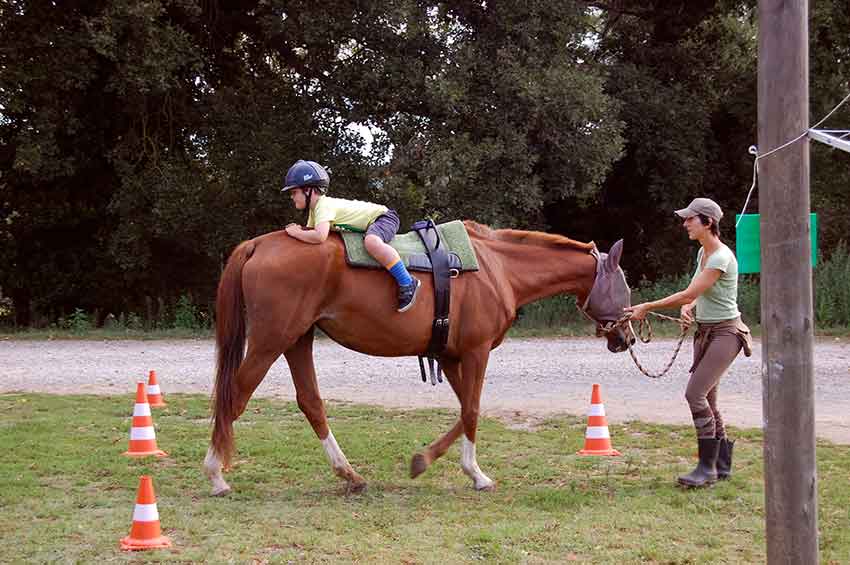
(686, 313)
(293, 229)
(638, 311)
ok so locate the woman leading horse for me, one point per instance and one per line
(275, 290)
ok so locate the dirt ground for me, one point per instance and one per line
(527, 379)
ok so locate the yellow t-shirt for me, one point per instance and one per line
(348, 215)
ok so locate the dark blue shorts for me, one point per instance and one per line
(385, 226)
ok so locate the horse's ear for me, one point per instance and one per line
(614, 254)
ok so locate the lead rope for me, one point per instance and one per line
(644, 334)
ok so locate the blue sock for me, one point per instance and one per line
(399, 271)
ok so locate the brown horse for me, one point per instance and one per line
(277, 290)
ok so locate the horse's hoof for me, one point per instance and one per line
(357, 488)
(418, 465)
(486, 487)
(220, 491)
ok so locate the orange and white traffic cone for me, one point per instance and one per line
(142, 435)
(597, 440)
(145, 532)
(154, 394)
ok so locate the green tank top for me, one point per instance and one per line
(720, 301)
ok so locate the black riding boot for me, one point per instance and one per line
(724, 458)
(706, 470)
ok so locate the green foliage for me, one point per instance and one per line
(186, 314)
(139, 142)
(684, 76)
(79, 321)
(555, 312)
(519, 118)
(130, 321)
(749, 299)
(6, 310)
(832, 291)
(831, 306)
(829, 64)
(665, 286)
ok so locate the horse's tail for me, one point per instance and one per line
(230, 329)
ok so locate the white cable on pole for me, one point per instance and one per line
(753, 150)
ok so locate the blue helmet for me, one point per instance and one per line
(306, 173)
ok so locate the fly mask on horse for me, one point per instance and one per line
(606, 300)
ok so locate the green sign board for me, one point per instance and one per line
(748, 242)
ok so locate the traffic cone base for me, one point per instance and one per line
(131, 544)
(597, 440)
(142, 434)
(154, 393)
(145, 532)
(154, 452)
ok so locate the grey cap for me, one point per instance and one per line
(705, 206)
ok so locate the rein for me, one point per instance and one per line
(644, 334)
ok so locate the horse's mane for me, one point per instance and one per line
(540, 239)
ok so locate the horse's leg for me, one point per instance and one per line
(438, 448)
(250, 374)
(474, 365)
(300, 359)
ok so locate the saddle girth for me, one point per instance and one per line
(442, 272)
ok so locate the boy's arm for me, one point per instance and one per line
(317, 235)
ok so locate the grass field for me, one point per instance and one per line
(68, 494)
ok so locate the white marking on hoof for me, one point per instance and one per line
(340, 464)
(335, 454)
(470, 466)
(212, 469)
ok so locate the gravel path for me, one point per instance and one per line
(527, 378)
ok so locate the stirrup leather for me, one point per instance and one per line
(443, 273)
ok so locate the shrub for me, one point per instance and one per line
(832, 289)
(79, 321)
(186, 315)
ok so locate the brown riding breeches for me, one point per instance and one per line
(715, 347)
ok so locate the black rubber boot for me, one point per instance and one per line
(706, 470)
(724, 458)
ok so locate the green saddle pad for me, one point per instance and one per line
(452, 233)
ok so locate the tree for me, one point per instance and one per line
(829, 83)
(139, 141)
(127, 126)
(684, 75)
(517, 115)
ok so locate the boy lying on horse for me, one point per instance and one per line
(307, 183)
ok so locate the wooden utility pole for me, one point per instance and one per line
(786, 284)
